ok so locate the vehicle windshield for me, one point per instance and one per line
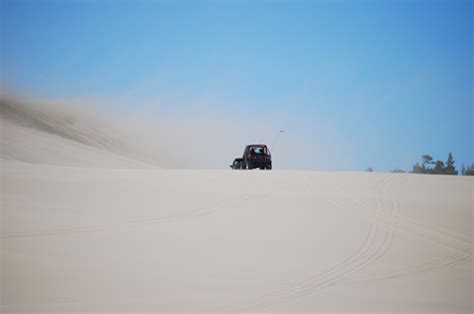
(258, 150)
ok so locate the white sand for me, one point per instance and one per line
(86, 229)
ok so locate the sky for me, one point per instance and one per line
(354, 84)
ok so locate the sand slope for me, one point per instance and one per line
(70, 135)
(84, 228)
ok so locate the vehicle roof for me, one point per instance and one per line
(256, 145)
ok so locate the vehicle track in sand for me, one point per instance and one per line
(390, 219)
(413, 270)
(456, 242)
(368, 252)
(448, 232)
(202, 211)
(432, 234)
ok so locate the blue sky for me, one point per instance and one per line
(380, 82)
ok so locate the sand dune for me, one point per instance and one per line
(86, 227)
(71, 135)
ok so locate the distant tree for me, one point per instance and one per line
(468, 171)
(450, 168)
(398, 170)
(369, 169)
(426, 160)
(439, 168)
(417, 168)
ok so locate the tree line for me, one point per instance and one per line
(429, 166)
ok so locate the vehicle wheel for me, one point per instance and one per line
(269, 167)
(243, 165)
(248, 165)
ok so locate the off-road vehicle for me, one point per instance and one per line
(255, 156)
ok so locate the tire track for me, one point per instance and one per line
(419, 269)
(207, 210)
(450, 233)
(463, 253)
(364, 256)
(448, 239)
(368, 239)
(460, 247)
(433, 233)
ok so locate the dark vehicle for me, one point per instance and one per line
(255, 156)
